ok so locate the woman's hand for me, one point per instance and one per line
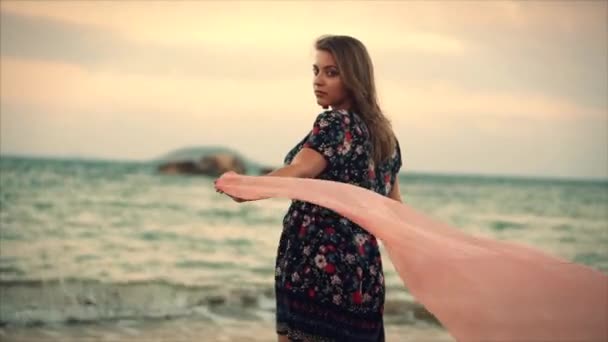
(236, 199)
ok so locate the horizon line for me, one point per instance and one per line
(401, 173)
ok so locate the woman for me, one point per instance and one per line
(329, 280)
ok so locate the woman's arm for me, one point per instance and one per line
(308, 163)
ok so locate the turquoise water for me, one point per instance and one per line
(96, 240)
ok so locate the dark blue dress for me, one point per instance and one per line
(329, 281)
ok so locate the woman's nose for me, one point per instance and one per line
(318, 80)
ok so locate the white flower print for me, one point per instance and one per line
(306, 250)
(320, 261)
(350, 258)
(372, 270)
(335, 280)
(322, 249)
(295, 277)
(329, 152)
(306, 220)
(381, 279)
(347, 120)
(323, 123)
(360, 239)
(337, 299)
(366, 297)
(344, 148)
(359, 271)
(278, 271)
(359, 149)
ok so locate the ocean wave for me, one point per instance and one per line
(84, 301)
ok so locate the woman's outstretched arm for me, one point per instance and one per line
(308, 163)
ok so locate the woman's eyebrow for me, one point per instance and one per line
(325, 67)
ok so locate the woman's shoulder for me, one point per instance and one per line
(333, 115)
(332, 120)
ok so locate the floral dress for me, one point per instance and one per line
(329, 282)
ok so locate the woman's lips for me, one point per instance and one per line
(320, 93)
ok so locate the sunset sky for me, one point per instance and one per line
(505, 87)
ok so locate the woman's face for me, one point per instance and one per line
(327, 82)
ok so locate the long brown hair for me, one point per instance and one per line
(357, 73)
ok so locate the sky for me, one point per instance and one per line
(478, 87)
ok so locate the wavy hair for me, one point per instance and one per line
(357, 74)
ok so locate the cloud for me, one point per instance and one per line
(73, 89)
(96, 49)
(493, 60)
(263, 25)
(443, 102)
(227, 55)
(79, 90)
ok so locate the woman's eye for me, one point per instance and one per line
(332, 73)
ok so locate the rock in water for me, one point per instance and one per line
(212, 165)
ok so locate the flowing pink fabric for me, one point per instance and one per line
(478, 288)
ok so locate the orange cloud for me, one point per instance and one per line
(434, 102)
(68, 88)
(258, 24)
(71, 89)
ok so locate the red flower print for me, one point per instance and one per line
(311, 293)
(330, 268)
(288, 285)
(330, 248)
(315, 130)
(349, 136)
(302, 231)
(387, 178)
(357, 299)
(361, 250)
(372, 174)
(329, 230)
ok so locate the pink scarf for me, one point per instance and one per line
(478, 288)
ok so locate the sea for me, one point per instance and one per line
(96, 250)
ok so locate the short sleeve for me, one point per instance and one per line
(327, 136)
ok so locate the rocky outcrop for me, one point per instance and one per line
(179, 167)
(211, 165)
(266, 170)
